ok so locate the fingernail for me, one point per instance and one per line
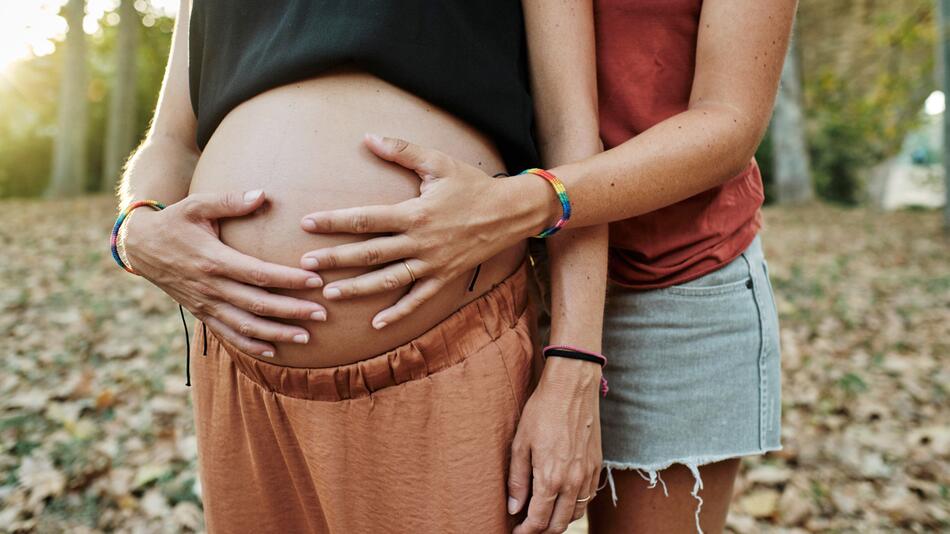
(332, 293)
(251, 196)
(309, 224)
(310, 263)
(319, 315)
(379, 325)
(267, 354)
(512, 505)
(314, 281)
(301, 338)
(375, 138)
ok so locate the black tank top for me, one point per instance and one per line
(467, 57)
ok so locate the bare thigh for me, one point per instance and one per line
(641, 509)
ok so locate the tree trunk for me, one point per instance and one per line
(121, 128)
(789, 152)
(69, 147)
(944, 34)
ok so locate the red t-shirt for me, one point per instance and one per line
(646, 55)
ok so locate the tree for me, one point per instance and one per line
(121, 130)
(69, 146)
(793, 181)
(945, 56)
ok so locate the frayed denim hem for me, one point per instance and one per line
(652, 475)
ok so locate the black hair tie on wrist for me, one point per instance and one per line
(562, 352)
(566, 351)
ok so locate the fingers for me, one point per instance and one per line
(543, 497)
(220, 205)
(251, 326)
(263, 303)
(243, 343)
(563, 512)
(362, 254)
(588, 489)
(250, 270)
(381, 280)
(572, 487)
(421, 292)
(361, 220)
(519, 477)
(425, 161)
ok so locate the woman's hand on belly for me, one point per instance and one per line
(178, 249)
(462, 218)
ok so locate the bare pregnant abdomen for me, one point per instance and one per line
(302, 144)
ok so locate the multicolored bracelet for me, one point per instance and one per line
(561, 192)
(113, 241)
(567, 351)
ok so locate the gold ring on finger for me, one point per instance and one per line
(408, 268)
(585, 499)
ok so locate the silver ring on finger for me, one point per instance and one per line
(412, 275)
(585, 499)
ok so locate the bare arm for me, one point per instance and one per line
(162, 166)
(178, 248)
(740, 50)
(556, 451)
(739, 54)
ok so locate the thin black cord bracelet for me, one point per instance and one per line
(575, 355)
(562, 351)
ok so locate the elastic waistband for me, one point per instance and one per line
(465, 332)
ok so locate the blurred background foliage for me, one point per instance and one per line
(866, 68)
(29, 97)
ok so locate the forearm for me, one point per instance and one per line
(577, 256)
(160, 169)
(740, 48)
(578, 264)
(682, 156)
(163, 164)
(565, 91)
(659, 167)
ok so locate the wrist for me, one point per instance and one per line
(567, 370)
(574, 369)
(134, 229)
(537, 202)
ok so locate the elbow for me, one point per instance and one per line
(746, 134)
(740, 161)
(737, 129)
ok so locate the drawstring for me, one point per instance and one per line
(471, 285)
(187, 348)
(204, 337)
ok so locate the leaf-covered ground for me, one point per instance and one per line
(96, 428)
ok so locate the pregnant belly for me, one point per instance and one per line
(302, 144)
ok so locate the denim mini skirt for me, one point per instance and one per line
(694, 371)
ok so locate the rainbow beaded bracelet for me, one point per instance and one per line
(561, 196)
(113, 241)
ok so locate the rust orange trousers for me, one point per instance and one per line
(413, 440)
